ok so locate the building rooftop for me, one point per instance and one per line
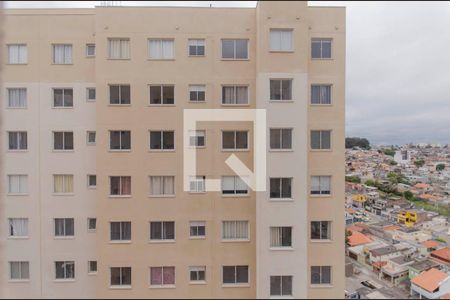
(430, 280)
(383, 250)
(424, 265)
(400, 260)
(430, 244)
(442, 254)
(357, 238)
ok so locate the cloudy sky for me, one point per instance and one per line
(398, 69)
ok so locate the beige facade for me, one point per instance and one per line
(279, 38)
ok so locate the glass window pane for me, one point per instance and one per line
(275, 188)
(156, 276)
(275, 285)
(315, 275)
(126, 276)
(326, 275)
(326, 49)
(68, 140)
(316, 49)
(168, 140)
(168, 95)
(275, 136)
(125, 139)
(241, 49)
(275, 89)
(326, 139)
(286, 286)
(155, 94)
(114, 97)
(286, 188)
(115, 276)
(227, 48)
(155, 230)
(155, 140)
(124, 94)
(241, 274)
(286, 138)
(228, 140)
(68, 98)
(315, 94)
(228, 274)
(241, 140)
(315, 139)
(286, 90)
(57, 97)
(115, 185)
(58, 140)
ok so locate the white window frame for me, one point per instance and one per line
(193, 137)
(281, 189)
(235, 237)
(87, 94)
(321, 40)
(63, 106)
(121, 149)
(282, 98)
(161, 49)
(87, 50)
(234, 149)
(64, 235)
(162, 149)
(122, 55)
(321, 132)
(281, 286)
(163, 178)
(330, 232)
(162, 86)
(65, 178)
(196, 43)
(89, 186)
(64, 141)
(235, 88)
(120, 194)
(197, 88)
(196, 225)
(321, 100)
(65, 263)
(26, 228)
(321, 276)
(23, 186)
(89, 229)
(120, 85)
(121, 284)
(23, 93)
(321, 192)
(20, 47)
(197, 269)
(281, 140)
(89, 143)
(234, 51)
(235, 276)
(18, 137)
(21, 276)
(163, 239)
(165, 285)
(90, 271)
(68, 60)
(281, 31)
(199, 182)
(121, 238)
(280, 232)
(233, 194)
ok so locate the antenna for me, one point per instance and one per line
(111, 3)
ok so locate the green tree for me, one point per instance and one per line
(390, 152)
(352, 142)
(354, 179)
(393, 163)
(440, 167)
(408, 195)
(419, 163)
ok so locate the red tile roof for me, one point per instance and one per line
(430, 280)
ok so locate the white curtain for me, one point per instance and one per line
(228, 229)
(275, 236)
(63, 183)
(241, 95)
(18, 227)
(62, 54)
(275, 40)
(169, 185)
(59, 227)
(228, 95)
(315, 184)
(167, 49)
(19, 270)
(235, 229)
(17, 54)
(18, 183)
(155, 49)
(17, 97)
(286, 40)
(325, 183)
(240, 184)
(124, 49)
(114, 48)
(156, 185)
(228, 183)
(197, 183)
(325, 94)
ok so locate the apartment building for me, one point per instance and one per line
(93, 198)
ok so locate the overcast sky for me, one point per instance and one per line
(398, 68)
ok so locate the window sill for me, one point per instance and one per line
(120, 287)
(320, 196)
(17, 150)
(200, 282)
(196, 147)
(92, 187)
(18, 64)
(197, 101)
(161, 150)
(320, 241)
(161, 59)
(64, 280)
(235, 285)
(281, 101)
(17, 194)
(91, 230)
(233, 105)
(18, 280)
(196, 55)
(321, 150)
(91, 100)
(12, 107)
(281, 51)
(161, 242)
(281, 150)
(63, 194)
(235, 195)
(319, 59)
(119, 150)
(236, 241)
(119, 105)
(18, 237)
(281, 297)
(120, 242)
(90, 144)
(109, 58)
(197, 237)
(235, 59)
(326, 105)
(161, 105)
(62, 107)
(55, 64)
(281, 199)
(166, 286)
(161, 196)
(321, 286)
(235, 150)
(281, 248)
(63, 151)
(197, 193)
(92, 273)
(119, 196)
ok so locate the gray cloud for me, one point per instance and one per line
(398, 69)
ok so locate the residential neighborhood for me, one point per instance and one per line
(397, 210)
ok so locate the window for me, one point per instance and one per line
(92, 224)
(280, 237)
(234, 140)
(281, 89)
(280, 188)
(235, 230)
(17, 140)
(281, 40)
(320, 275)
(63, 184)
(162, 94)
(120, 231)
(18, 227)
(17, 184)
(197, 229)
(162, 231)
(235, 275)
(161, 49)
(197, 184)
(235, 95)
(17, 98)
(65, 269)
(234, 49)
(17, 54)
(196, 47)
(64, 227)
(90, 138)
(92, 181)
(281, 138)
(90, 50)
(120, 140)
(321, 48)
(162, 276)
(63, 140)
(161, 186)
(92, 267)
(280, 285)
(234, 185)
(119, 94)
(19, 270)
(162, 140)
(90, 94)
(321, 94)
(321, 230)
(62, 97)
(320, 139)
(197, 93)
(197, 274)
(120, 276)
(62, 54)
(120, 185)
(320, 185)
(118, 48)
(197, 138)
